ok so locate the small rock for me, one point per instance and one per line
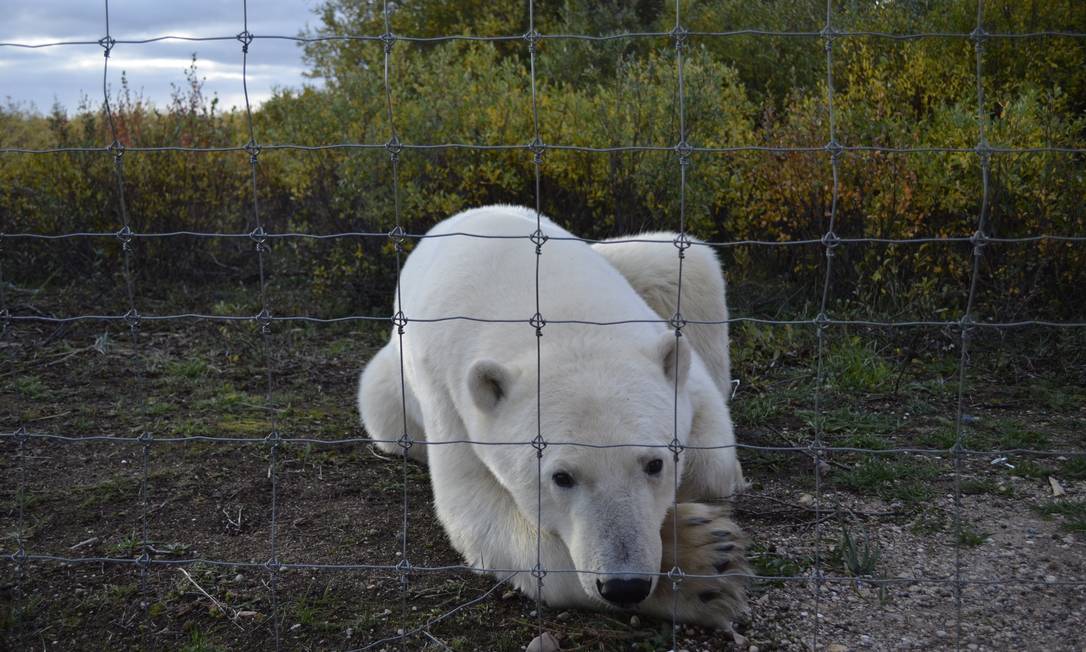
(1051, 579)
(565, 615)
(753, 648)
(941, 633)
(635, 621)
(806, 499)
(836, 647)
(508, 594)
(239, 577)
(295, 626)
(545, 642)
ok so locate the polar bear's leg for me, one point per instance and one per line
(381, 405)
(711, 554)
(712, 468)
(652, 268)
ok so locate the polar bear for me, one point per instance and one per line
(603, 507)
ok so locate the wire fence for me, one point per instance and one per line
(816, 449)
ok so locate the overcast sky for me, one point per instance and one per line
(62, 73)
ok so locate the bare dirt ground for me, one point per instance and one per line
(884, 530)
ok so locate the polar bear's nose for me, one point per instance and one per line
(624, 591)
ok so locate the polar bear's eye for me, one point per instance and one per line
(654, 467)
(563, 479)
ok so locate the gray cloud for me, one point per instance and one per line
(67, 73)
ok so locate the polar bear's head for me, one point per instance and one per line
(606, 498)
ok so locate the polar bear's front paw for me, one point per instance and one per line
(711, 553)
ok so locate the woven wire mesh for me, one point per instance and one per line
(966, 325)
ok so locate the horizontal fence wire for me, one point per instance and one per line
(816, 449)
(142, 439)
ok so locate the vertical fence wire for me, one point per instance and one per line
(538, 238)
(399, 319)
(829, 242)
(979, 238)
(682, 242)
(132, 319)
(264, 321)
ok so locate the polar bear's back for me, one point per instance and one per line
(480, 263)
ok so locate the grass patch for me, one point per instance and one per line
(979, 486)
(31, 387)
(906, 480)
(769, 563)
(197, 643)
(847, 421)
(859, 556)
(187, 370)
(970, 538)
(1073, 469)
(854, 366)
(1072, 513)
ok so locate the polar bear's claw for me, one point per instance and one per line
(709, 548)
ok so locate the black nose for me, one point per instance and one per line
(624, 591)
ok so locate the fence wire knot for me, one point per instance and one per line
(394, 147)
(21, 436)
(821, 320)
(116, 148)
(5, 320)
(246, 38)
(273, 438)
(388, 39)
(538, 238)
(399, 320)
(533, 38)
(677, 323)
(259, 237)
(835, 149)
(965, 324)
(676, 447)
(979, 240)
(132, 318)
(405, 442)
(676, 575)
(273, 565)
(397, 235)
(254, 151)
(264, 319)
(830, 241)
(978, 36)
(125, 236)
(538, 443)
(537, 322)
(538, 572)
(107, 42)
(682, 242)
(404, 567)
(19, 556)
(537, 147)
(828, 34)
(146, 438)
(680, 34)
(144, 560)
(684, 150)
(984, 152)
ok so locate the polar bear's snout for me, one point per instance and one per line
(624, 591)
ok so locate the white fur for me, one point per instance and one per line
(652, 268)
(469, 381)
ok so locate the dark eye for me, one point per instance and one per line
(654, 467)
(563, 479)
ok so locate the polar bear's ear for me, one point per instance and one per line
(674, 356)
(488, 384)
